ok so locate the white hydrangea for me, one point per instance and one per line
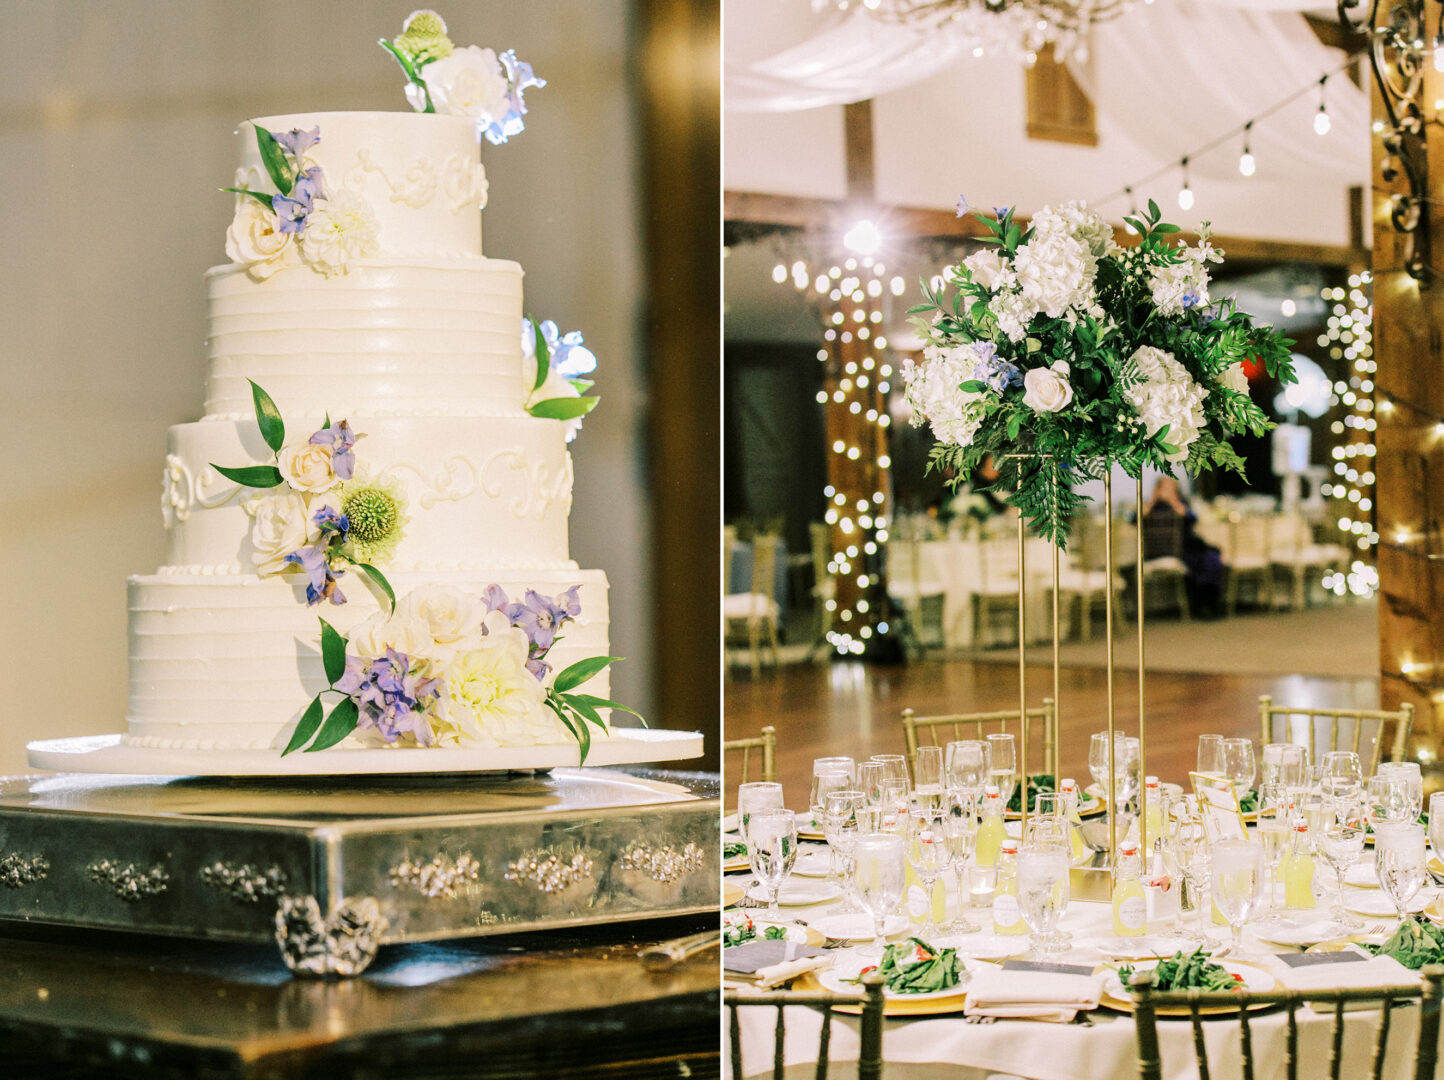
(1013, 310)
(1167, 396)
(1233, 378)
(1075, 220)
(1185, 284)
(1055, 271)
(932, 389)
(989, 269)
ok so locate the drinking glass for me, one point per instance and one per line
(758, 796)
(928, 776)
(1210, 755)
(1387, 800)
(839, 763)
(894, 805)
(1272, 833)
(1237, 878)
(1043, 892)
(961, 829)
(1284, 763)
(1239, 764)
(895, 766)
(1341, 844)
(1342, 776)
(840, 827)
(823, 785)
(967, 763)
(928, 853)
(1408, 772)
(1184, 853)
(1003, 764)
(772, 850)
(879, 870)
(1399, 862)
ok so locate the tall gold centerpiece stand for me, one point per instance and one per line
(1092, 880)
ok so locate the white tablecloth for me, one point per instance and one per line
(938, 1047)
(955, 565)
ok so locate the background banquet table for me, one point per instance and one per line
(1100, 1045)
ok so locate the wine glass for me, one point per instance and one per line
(1342, 775)
(840, 814)
(928, 853)
(1043, 892)
(895, 766)
(1272, 833)
(1399, 862)
(967, 763)
(1210, 755)
(1409, 774)
(772, 850)
(961, 829)
(879, 870)
(1342, 843)
(1284, 763)
(1237, 879)
(1239, 764)
(1003, 764)
(894, 813)
(928, 776)
(1184, 850)
(1387, 800)
(840, 763)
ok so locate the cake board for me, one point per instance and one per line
(331, 868)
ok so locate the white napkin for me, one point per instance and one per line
(768, 977)
(1035, 995)
(1367, 974)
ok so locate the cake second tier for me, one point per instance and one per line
(475, 492)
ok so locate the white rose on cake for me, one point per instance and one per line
(451, 615)
(282, 525)
(340, 231)
(307, 467)
(469, 82)
(255, 239)
(491, 698)
(1048, 389)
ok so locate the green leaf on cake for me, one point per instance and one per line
(543, 355)
(579, 729)
(260, 196)
(380, 579)
(581, 671)
(333, 652)
(582, 709)
(268, 418)
(274, 159)
(563, 408)
(306, 727)
(254, 476)
(339, 724)
(605, 703)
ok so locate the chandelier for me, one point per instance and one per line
(1016, 28)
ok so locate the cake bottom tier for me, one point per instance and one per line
(231, 661)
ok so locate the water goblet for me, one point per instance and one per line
(1210, 755)
(840, 827)
(839, 763)
(1342, 843)
(1409, 774)
(928, 854)
(772, 850)
(879, 871)
(762, 795)
(1387, 800)
(1342, 776)
(1043, 893)
(1003, 764)
(1237, 872)
(1399, 862)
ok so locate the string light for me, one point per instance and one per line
(1246, 163)
(1321, 119)
(1185, 193)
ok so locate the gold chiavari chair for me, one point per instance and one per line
(1277, 723)
(869, 1063)
(765, 744)
(977, 725)
(1147, 1002)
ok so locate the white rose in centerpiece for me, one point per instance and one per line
(451, 615)
(307, 467)
(255, 239)
(989, 269)
(469, 82)
(1233, 378)
(405, 633)
(282, 525)
(339, 231)
(1048, 389)
(492, 699)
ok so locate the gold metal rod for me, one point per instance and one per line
(1022, 675)
(1142, 758)
(1057, 762)
(1112, 793)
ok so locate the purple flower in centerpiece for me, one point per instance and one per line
(997, 373)
(391, 697)
(962, 205)
(340, 439)
(1002, 211)
(323, 577)
(296, 142)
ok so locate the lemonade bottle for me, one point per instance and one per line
(1152, 810)
(991, 833)
(1297, 869)
(1007, 915)
(1076, 847)
(1130, 910)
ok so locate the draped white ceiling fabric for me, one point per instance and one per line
(1173, 75)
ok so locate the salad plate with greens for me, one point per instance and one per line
(912, 970)
(738, 928)
(1195, 970)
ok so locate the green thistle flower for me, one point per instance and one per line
(376, 512)
(424, 39)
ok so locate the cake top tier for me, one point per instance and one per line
(356, 185)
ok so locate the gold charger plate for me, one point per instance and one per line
(732, 893)
(1125, 1005)
(939, 1006)
(736, 865)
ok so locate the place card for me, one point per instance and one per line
(1051, 969)
(752, 957)
(1303, 960)
(1218, 803)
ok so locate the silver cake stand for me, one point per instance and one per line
(332, 868)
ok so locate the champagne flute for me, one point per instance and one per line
(894, 813)
(1399, 862)
(879, 871)
(1210, 755)
(869, 782)
(1237, 879)
(772, 850)
(967, 764)
(1272, 833)
(840, 827)
(928, 785)
(1043, 893)
(1239, 764)
(1341, 844)
(1003, 764)
(961, 829)
(928, 853)
(1184, 848)
(1408, 773)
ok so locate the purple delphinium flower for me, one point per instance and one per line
(330, 521)
(340, 439)
(494, 599)
(999, 374)
(540, 617)
(568, 354)
(519, 78)
(323, 576)
(1190, 299)
(291, 213)
(962, 205)
(310, 185)
(391, 698)
(296, 142)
